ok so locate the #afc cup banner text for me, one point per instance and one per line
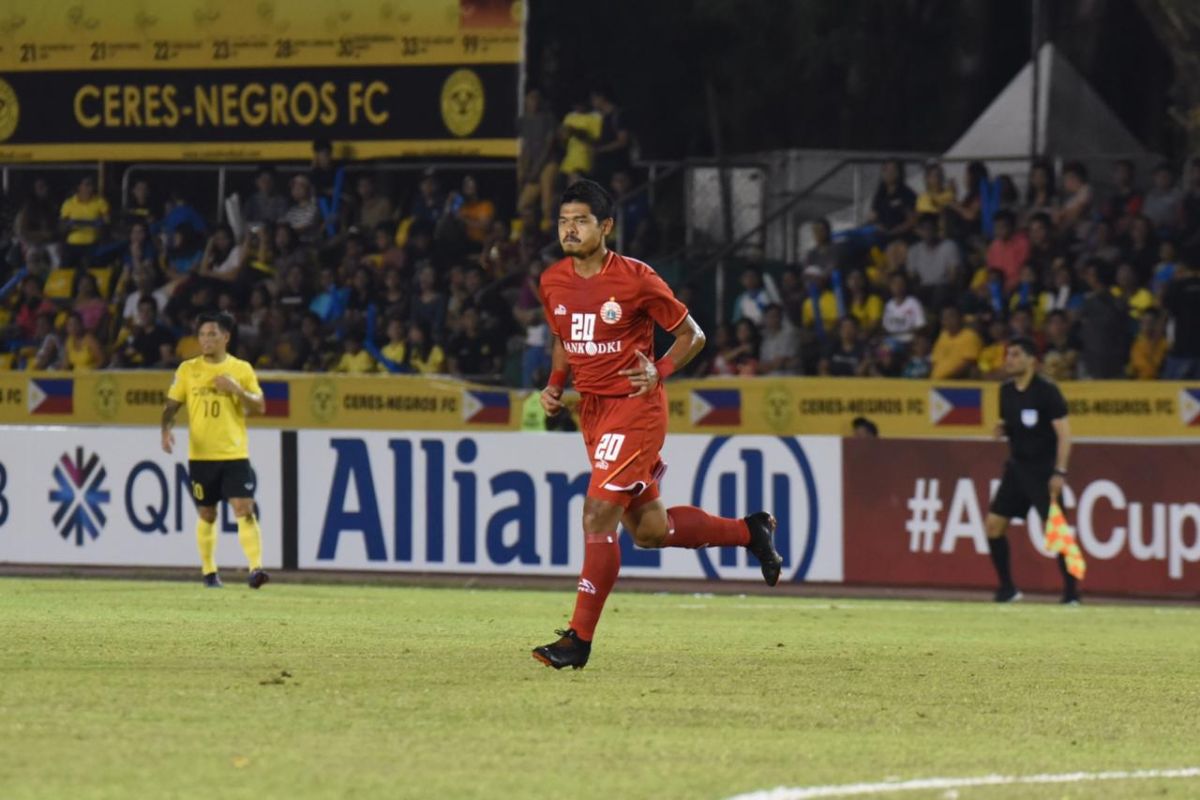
(112, 497)
(512, 503)
(915, 514)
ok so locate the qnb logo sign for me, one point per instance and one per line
(80, 496)
(739, 476)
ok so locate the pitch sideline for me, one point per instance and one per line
(890, 787)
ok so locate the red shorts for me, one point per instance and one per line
(624, 436)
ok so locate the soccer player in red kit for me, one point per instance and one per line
(602, 308)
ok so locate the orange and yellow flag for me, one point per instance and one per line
(1060, 538)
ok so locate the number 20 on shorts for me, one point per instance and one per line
(609, 447)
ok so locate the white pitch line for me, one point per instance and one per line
(889, 787)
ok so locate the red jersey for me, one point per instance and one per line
(604, 320)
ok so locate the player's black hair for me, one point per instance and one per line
(1025, 343)
(866, 424)
(224, 321)
(590, 194)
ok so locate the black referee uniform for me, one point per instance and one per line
(1028, 417)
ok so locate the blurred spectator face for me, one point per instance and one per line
(470, 321)
(533, 101)
(455, 277)
(1194, 172)
(927, 230)
(416, 336)
(87, 287)
(259, 298)
(301, 189)
(365, 187)
(147, 313)
(773, 318)
(820, 232)
(1072, 183)
(354, 249)
(848, 330)
(1022, 322)
(790, 281)
(1039, 234)
(856, 282)
(896, 255)
(144, 279)
(951, 319)
(383, 240)
(920, 345)
(226, 303)
(745, 332)
(1163, 179)
(1141, 229)
(890, 173)
(998, 330)
(473, 281)
(1039, 178)
(723, 337)
(865, 430)
(621, 183)
(41, 189)
(141, 193)
(428, 187)
(1062, 276)
(138, 234)
(264, 181)
(470, 189)
(1103, 233)
(87, 189)
(1126, 277)
(426, 279)
(935, 179)
(751, 280)
(295, 279)
(323, 157)
(1056, 327)
(310, 326)
(1028, 274)
(1151, 326)
(1123, 174)
(74, 326)
(31, 289)
(362, 280)
(352, 345)
(898, 286)
(43, 325)
(328, 279)
(395, 331)
(284, 238)
(1166, 251)
(1003, 227)
(222, 241)
(391, 280)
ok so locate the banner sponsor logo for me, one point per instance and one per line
(80, 496)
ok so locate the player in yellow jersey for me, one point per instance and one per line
(218, 390)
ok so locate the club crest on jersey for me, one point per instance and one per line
(610, 312)
(560, 310)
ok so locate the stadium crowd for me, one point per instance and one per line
(334, 273)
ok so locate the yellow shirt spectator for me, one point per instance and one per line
(355, 363)
(579, 148)
(829, 311)
(869, 312)
(951, 352)
(84, 218)
(1138, 302)
(83, 353)
(991, 358)
(1146, 357)
(435, 364)
(934, 202)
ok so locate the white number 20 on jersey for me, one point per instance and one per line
(609, 447)
(583, 327)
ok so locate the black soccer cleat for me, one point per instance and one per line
(568, 651)
(762, 545)
(212, 581)
(1008, 594)
(1070, 599)
(257, 578)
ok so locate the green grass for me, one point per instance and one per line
(146, 690)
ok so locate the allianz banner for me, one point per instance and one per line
(512, 503)
(249, 81)
(112, 497)
(915, 511)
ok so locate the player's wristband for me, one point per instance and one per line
(558, 379)
(1062, 473)
(665, 367)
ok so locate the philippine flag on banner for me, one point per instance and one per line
(485, 407)
(716, 407)
(51, 396)
(954, 406)
(1189, 406)
(277, 397)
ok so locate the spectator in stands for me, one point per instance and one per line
(428, 205)
(863, 304)
(939, 194)
(385, 254)
(82, 348)
(1164, 202)
(1075, 216)
(918, 366)
(1136, 298)
(31, 305)
(316, 350)
(779, 353)
(139, 206)
(470, 352)
(266, 205)
(294, 294)
(1060, 361)
(429, 305)
(475, 213)
(537, 170)
(147, 344)
(1020, 323)
(903, 315)
(1164, 270)
(1041, 194)
(1027, 294)
(1007, 196)
(1126, 199)
(758, 292)
(532, 317)
(612, 148)
(748, 340)
(579, 132)
(933, 262)
(1149, 349)
(893, 208)
(49, 352)
(966, 214)
(372, 208)
(144, 279)
(1103, 328)
(1043, 251)
(36, 226)
(1009, 250)
(354, 360)
(322, 173)
(824, 252)
(991, 358)
(83, 218)
(820, 310)
(330, 303)
(422, 355)
(1062, 295)
(289, 252)
(223, 258)
(957, 347)
(303, 215)
(184, 255)
(88, 303)
(846, 355)
(633, 217)
(1102, 244)
(791, 290)
(140, 251)
(1141, 248)
(1189, 207)
(1182, 302)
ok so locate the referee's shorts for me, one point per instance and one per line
(1023, 486)
(214, 481)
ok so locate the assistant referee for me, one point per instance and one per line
(218, 390)
(1033, 415)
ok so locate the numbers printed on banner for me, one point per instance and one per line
(3, 499)
(29, 53)
(583, 327)
(283, 48)
(221, 50)
(609, 447)
(162, 51)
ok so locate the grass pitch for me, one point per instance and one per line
(116, 689)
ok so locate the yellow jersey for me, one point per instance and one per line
(216, 420)
(578, 155)
(94, 212)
